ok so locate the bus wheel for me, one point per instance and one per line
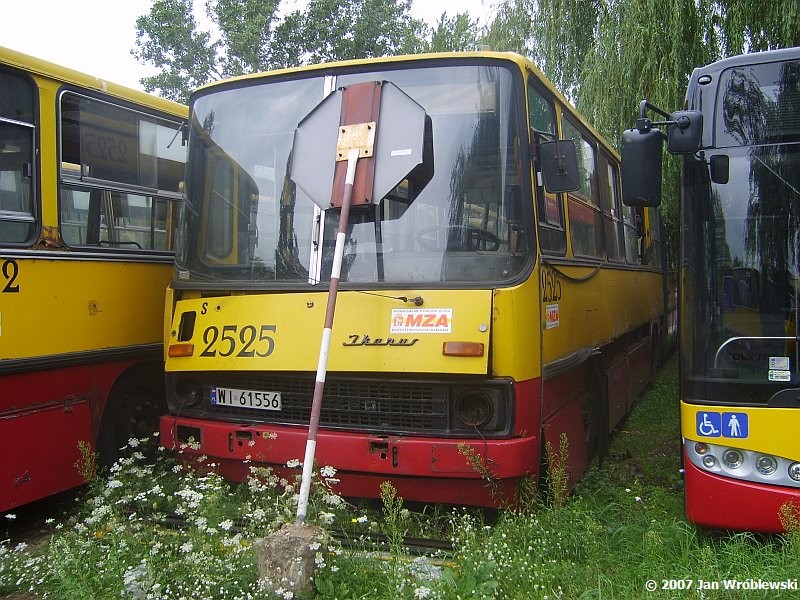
(134, 406)
(595, 414)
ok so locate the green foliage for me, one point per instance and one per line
(557, 475)
(607, 55)
(454, 34)
(168, 39)
(254, 35)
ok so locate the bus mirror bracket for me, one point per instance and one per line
(559, 166)
(684, 131)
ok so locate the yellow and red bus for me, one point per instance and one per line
(89, 198)
(480, 313)
(740, 214)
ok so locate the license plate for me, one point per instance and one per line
(246, 398)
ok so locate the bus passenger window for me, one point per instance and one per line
(552, 238)
(612, 214)
(17, 220)
(585, 219)
(120, 176)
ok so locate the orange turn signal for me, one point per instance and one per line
(178, 350)
(473, 349)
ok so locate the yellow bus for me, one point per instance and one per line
(494, 293)
(89, 198)
(740, 264)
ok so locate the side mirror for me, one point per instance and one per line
(641, 167)
(559, 166)
(684, 135)
(720, 168)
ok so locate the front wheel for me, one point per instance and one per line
(134, 406)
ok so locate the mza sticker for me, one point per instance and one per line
(422, 320)
(727, 424)
(552, 316)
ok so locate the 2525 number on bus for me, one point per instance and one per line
(248, 341)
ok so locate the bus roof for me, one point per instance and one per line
(753, 58)
(43, 68)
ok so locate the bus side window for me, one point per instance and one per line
(552, 236)
(112, 159)
(585, 218)
(17, 218)
(612, 214)
(631, 235)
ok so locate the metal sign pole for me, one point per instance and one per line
(322, 365)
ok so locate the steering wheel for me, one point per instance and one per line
(434, 238)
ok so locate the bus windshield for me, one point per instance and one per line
(741, 242)
(247, 222)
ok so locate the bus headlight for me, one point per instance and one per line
(794, 471)
(732, 458)
(766, 465)
(709, 462)
(474, 408)
(188, 391)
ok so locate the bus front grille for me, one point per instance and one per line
(378, 405)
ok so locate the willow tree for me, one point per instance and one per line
(607, 55)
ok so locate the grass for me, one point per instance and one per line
(621, 528)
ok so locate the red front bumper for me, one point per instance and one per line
(726, 503)
(421, 469)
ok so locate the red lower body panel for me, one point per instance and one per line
(44, 415)
(726, 503)
(422, 469)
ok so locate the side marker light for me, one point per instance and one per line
(473, 349)
(180, 350)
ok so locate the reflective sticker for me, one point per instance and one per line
(552, 318)
(780, 375)
(779, 363)
(422, 320)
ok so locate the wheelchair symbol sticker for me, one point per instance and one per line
(709, 424)
(729, 424)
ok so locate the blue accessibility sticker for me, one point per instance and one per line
(728, 424)
(735, 425)
(709, 424)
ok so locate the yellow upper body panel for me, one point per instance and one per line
(372, 332)
(760, 429)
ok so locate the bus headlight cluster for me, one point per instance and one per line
(743, 464)
(485, 409)
(766, 465)
(732, 458)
